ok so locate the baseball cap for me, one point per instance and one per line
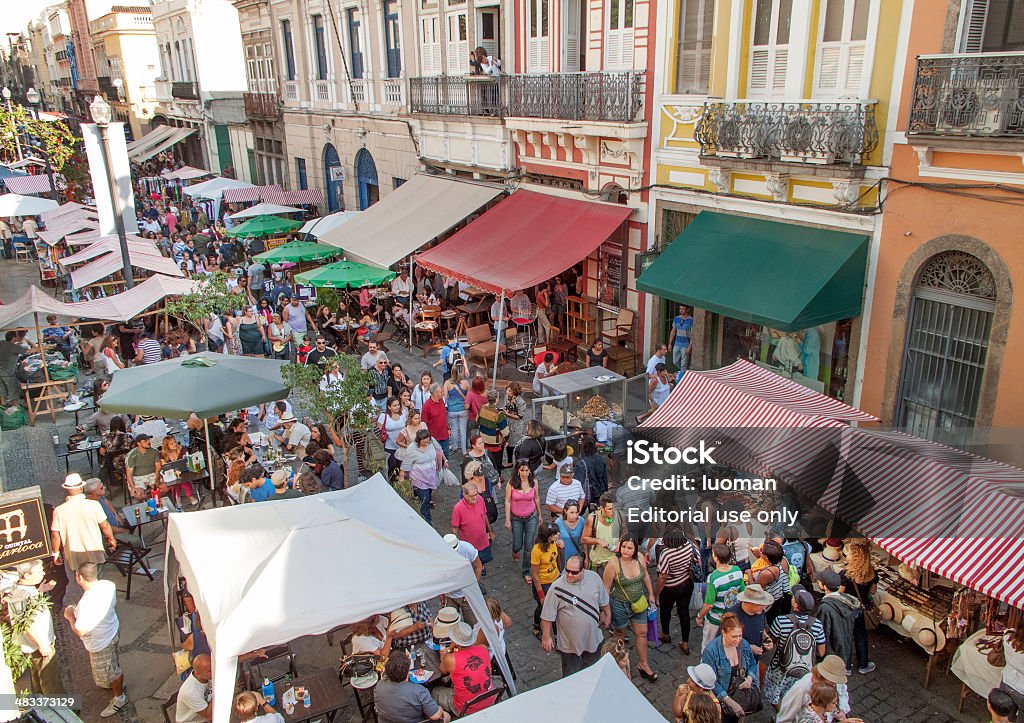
(142, 437)
(804, 601)
(829, 578)
(567, 471)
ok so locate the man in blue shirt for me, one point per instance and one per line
(453, 353)
(332, 476)
(281, 288)
(679, 339)
(260, 487)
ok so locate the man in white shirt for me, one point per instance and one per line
(38, 641)
(401, 287)
(31, 228)
(467, 552)
(520, 305)
(79, 528)
(195, 696)
(296, 435)
(659, 357)
(372, 356)
(94, 620)
(567, 488)
(831, 668)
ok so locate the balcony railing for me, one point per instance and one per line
(262, 106)
(610, 97)
(394, 91)
(969, 95)
(184, 90)
(801, 131)
(323, 91)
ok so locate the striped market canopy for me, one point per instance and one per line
(26, 185)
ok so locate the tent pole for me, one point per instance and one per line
(412, 295)
(497, 339)
(209, 460)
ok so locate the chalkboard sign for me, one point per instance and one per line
(24, 534)
(610, 276)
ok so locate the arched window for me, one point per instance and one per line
(946, 348)
(366, 179)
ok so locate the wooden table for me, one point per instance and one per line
(40, 397)
(475, 311)
(326, 696)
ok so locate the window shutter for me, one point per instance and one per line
(759, 69)
(613, 51)
(973, 35)
(779, 64)
(572, 38)
(829, 59)
(854, 70)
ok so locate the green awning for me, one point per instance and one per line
(780, 275)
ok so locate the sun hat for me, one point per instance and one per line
(400, 619)
(462, 635)
(890, 609)
(288, 416)
(833, 669)
(702, 674)
(452, 541)
(835, 546)
(73, 481)
(929, 636)
(279, 478)
(446, 618)
(755, 595)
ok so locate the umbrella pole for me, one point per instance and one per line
(412, 295)
(209, 459)
(497, 339)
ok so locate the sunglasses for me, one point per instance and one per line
(573, 572)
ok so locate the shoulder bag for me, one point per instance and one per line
(748, 698)
(872, 617)
(637, 606)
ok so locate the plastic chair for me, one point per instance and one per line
(493, 695)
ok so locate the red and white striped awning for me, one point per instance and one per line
(27, 185)
(956, 514)
(270, 194)
(304, 196)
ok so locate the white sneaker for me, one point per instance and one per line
(869, 668)
(116, 704)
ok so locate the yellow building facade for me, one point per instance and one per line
(776, 112)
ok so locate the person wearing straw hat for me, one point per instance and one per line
(831, 669)
(470, 554)
(469, 666)
(750, 608)
(79, 527)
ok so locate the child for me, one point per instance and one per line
(502, 622)
(304, 349)
(617, 649)
(561, 455)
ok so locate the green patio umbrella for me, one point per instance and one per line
(345, 274)
(265, 226)
(204, 384)
(295, 251)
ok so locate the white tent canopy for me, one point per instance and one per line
(267, 209)
(11, 204)
(215, 187)
(325, 224)
(269, 573)
(109, 244)
(597, 694)
(111, 263)
(185, 173)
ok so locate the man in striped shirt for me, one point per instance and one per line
(565, 489)
(149, 350)
(724, 586)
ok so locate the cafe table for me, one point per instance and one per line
(138, 516)
(327, 697)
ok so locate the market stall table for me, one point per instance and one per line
(475, 311)
(971, 666)
(580, 380)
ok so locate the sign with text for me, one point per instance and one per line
(24, 534)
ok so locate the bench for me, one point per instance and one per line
(480, 345)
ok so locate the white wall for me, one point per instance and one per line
(217, 41)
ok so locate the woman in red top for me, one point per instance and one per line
(476, 398)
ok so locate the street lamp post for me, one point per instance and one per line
(33, 100)
(101, 114)
(10, 112)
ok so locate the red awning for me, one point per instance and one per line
(524, 240)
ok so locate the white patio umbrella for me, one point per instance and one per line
(318, 226)
(266, 209)
(11, 204)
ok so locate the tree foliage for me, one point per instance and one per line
(345, 404)
(21, 615)
(56, 138)
(212, 296)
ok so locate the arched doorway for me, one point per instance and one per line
(946, 349)
(334, 179)
(366, 179)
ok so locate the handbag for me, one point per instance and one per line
(748, 698)
(997, 655)
(492, 507)
(637, 606)
(872, 616)
(696, 565)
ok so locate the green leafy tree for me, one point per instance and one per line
(56, 138)
(19, 617)
(211, 296)
(344, 404)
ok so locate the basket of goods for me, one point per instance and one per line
(595, 408)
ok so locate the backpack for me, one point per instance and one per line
(796, 555)
(453, 358)
(372, 457)
(796, 657)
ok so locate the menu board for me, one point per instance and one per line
(610, 276)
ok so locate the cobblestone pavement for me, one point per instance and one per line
(894, 693)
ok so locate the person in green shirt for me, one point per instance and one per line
(142, 465)
(724, 585)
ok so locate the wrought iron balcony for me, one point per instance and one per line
(610, 97)
(184, 91)
(262, 106)
(969, 95)
(801, 131)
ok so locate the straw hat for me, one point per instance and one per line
(756, 595)
(400, 619)
(890, 609)
(833, 669)
(73, 481)
(833, 550)
(462, 635)
(929, 636)
(446, 618)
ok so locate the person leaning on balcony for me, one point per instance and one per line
(484, 64)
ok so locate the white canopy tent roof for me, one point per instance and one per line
(215, 187)
(111, 263)
(63, 209)
(185, 173)
(11, 204)
(268, 573)
(65, 225)
(109, 244)
(267, 209)
(133, 301)
(597, 694)
(326, 224)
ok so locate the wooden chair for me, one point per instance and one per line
(429, 323)
(622, 330)
(481, 345)
(253, 673)
(126, 557)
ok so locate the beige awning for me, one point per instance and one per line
(32, 307)
(110, 264)
(151, 139)
(129, 303)
(109, 244)
(66, 225)
(408, 218)
(178, 136)
(65, 209)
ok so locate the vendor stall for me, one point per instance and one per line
(589, 397)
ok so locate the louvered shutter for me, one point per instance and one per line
(759, 69)
(972, 36)
(854, 70)
(779, 65)
(430, 49)
(572, 38)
